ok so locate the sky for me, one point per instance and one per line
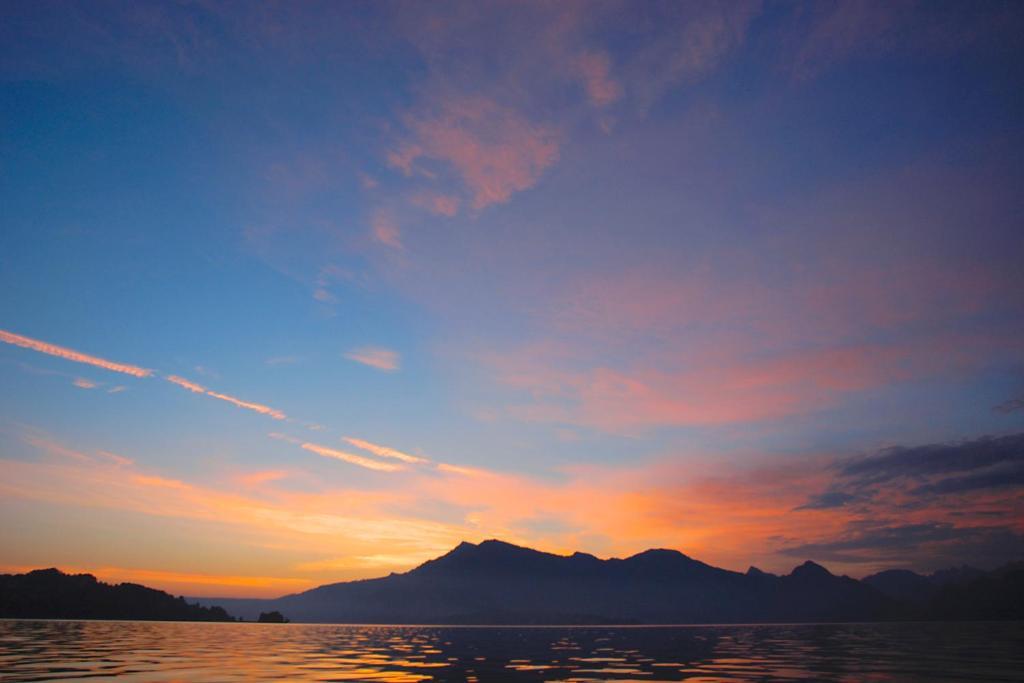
(295, 293)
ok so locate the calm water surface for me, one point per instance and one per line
(164, 651)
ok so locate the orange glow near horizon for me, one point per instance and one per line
(328, 534)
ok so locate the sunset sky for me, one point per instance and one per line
(295, 293)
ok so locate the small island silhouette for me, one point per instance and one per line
(274, 617)
(494, 582)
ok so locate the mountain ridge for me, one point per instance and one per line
(495, 582)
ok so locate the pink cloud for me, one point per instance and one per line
(186, 384)
(631, 349)
(82, 383)
(199, 389)
(367, 181)
(69, 354)
(404, 157)
(693, 39)
(440, 204)
(595, 71)
(375, 357)
(385, 230)
(256, 407)
(728, 387)
(494, 150)
(805, 318)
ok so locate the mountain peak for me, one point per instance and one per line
(498, 544)
(659, 554)
(810, 570)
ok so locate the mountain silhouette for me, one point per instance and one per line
(903, 585)
(499, 583)
(494, 582)
(52, 594)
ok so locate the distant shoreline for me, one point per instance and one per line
(499, 585)
(900, 622)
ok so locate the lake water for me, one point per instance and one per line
(166, 651)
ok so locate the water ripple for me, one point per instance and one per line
(846, 653)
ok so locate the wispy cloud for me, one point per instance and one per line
(385, 230)
(350, 458)
(52, 447)
(326, 279)
(118, 460)
(464, 471)
(199, 389)
(384, 451)
(83, 383)
(69, 354)
(494, 150)
(257, 407)
(595, 70)
(374, 562)
(1011, 406)
(367, 181)
(261, 477)
(440, 204)
(725, 517)
(326, 452)
(182, 382)
(376, 357)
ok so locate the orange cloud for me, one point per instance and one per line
(494, 150)
(350, 458)
(116, 459)
(182, 382)
(727, 518)
(263, 477)
(199, 389)
(384, 451)
(465, 471)
(48, 445)
(375, 357)
(69, 354)
(360, 562)
(82, 383)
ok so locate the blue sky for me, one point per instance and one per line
(592, 276)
